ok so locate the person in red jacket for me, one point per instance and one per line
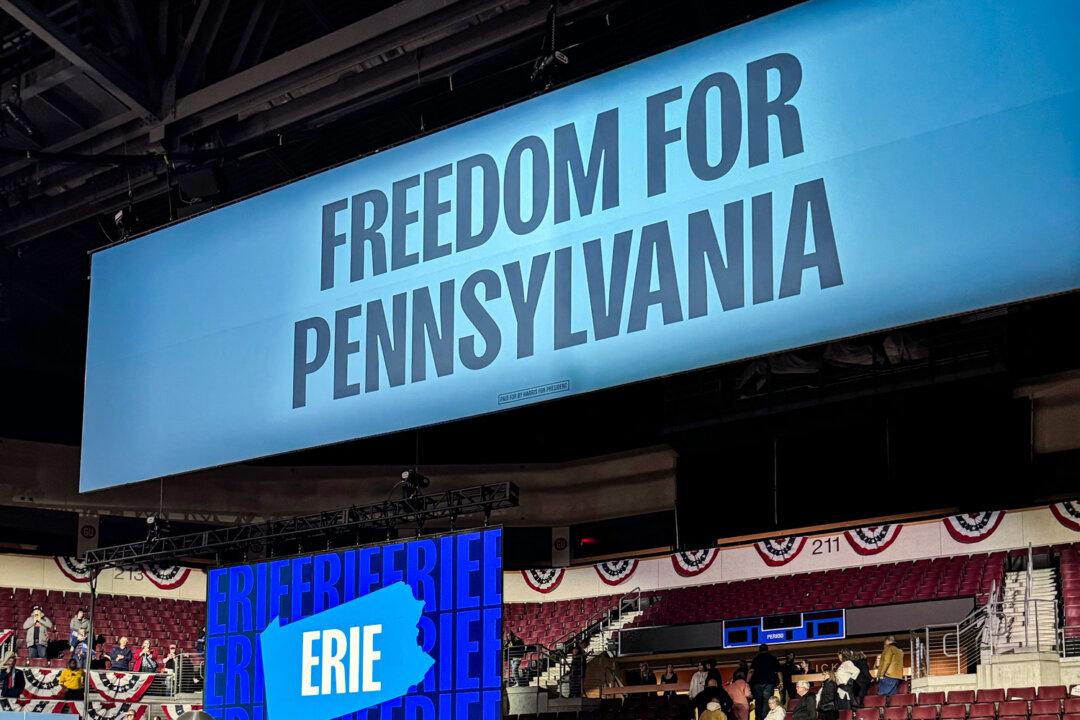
(146, 659)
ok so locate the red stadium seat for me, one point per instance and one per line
(1046, 717)
(961, 696)
(924, 712)
(1072, 706)
(868, 714)
(931, 698)
(901, 700)
(1013, 708)
(981, 710)
(1045, 707)
(896, 713)
(1025, 693)
(1052, 692)
(952, 712)
(874, 701)
(990, 696)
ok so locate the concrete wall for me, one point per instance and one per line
(42, 573)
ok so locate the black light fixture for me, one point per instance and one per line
(156, 527)
(414, 481)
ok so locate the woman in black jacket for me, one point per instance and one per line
(828, 699)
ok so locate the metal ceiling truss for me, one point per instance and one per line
(412, 511)
(346, 69)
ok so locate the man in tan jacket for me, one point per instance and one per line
(890, 667)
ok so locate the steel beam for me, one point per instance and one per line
(113, 79)
(408, 511)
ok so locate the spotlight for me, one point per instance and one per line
(156, 527)
(415, 480)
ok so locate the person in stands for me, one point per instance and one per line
(697, 680)
(12, 679)
(827, 698)
(890, 667)
(776, 709)
(806, 709)
(515, 650)
(98, 661)
(863, 679)
(788, 668)
(71, 679)
(80, 650)
(669, 678)
(713, 672)
(740, 693)
(171, 663)
(200, 642)
(846, 673)
(37, 628)
(146, 659)
(577, 671)
(79, 622)
(121, 657)
(646, 676)
(763, 679)
(713, 698)
(744, 667)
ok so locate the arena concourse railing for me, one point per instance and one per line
(998, 627)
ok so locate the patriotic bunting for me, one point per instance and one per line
(1067, 513)
(616, 572)
(73, 569)
(973, 527)
(123, 687)
(43, 684)
(173, 711)
(545, 580)
(96, 711)
(693, 562)
(780, 551)
(166, 578)
(873, 539)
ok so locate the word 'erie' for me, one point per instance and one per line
(332, 660)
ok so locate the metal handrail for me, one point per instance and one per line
(559, 654)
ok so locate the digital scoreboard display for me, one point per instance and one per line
(780, 629)
(407, 630)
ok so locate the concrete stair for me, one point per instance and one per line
(599, 643)
(1040, 628)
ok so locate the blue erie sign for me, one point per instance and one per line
(402, 631)
(829, 170)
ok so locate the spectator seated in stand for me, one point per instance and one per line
(806, 704)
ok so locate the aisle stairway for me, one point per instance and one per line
(599, 643)
(1041, 629)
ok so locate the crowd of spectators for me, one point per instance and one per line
(38, 628)
(767, 684)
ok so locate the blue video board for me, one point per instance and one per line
(403, 631)
(833, 169)
(787, 628)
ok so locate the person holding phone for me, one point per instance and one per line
(37, 628)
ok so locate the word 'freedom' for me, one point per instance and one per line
(541, 178)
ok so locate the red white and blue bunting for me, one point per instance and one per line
(780, 551)
(616, 572)
(973, 527)
(1067, 513)
(43, 684)
(121, 686)
(73, 569)
(872, 539)
(173, 711)
(543, 580)
(163, 577)
(97, 711)
(693, 562)
(166, 578)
